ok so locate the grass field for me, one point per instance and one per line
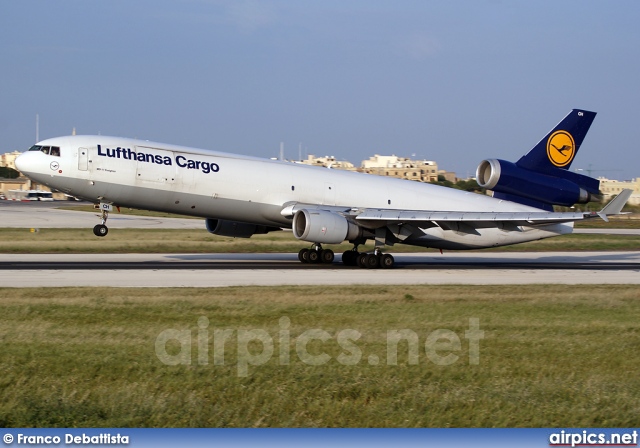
(551, 356)
(615, 222)
(200, 241)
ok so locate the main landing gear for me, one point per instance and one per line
(101, 229)
(368, 261)
(316, 254)
(352, 257)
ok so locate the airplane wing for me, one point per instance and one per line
(516, 218)
(376, 217)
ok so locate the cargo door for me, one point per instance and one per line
(155, 165)
(83, 159)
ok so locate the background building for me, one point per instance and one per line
(610, 187)
(14, 184)
(448, 175)
(328, 161)
(401, 167)
(9, 159)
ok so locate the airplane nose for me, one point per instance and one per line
(18, 162)
(23, 162)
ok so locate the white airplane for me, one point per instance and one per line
(240, 196)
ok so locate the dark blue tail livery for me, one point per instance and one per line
(541, 178)
(560, 146)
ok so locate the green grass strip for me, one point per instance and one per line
(551, 356)
(200, 241)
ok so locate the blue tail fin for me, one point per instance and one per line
(560, 146)
(541, 178)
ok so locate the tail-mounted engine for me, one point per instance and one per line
(553, 187)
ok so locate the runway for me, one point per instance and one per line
(217, 270)
(46, 215)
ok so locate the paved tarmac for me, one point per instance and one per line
(216, 270)
(46, 215)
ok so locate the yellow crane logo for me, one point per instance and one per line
(561, 148)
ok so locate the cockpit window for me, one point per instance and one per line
(49, 150)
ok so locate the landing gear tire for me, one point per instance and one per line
(372, 261)
(100, 230)
(326, 256)
(368, 261)
(303, 255)
(314, 256)
(387, 261)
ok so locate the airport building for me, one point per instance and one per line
(328, 162)
(9, 159)
(401, 168)
(6, 185)
(18, 189)
(610, 187)
(448, 175)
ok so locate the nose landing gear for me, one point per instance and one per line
(101, 229)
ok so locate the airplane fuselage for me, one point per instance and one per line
(210, 184)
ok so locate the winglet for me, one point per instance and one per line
(615, 206)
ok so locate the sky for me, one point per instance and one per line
(451, 81)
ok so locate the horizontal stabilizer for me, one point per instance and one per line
(615, 206)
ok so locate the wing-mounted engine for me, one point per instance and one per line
(236, 229)
(553, 187)
(323, 226)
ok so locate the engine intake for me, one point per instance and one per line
(322, 226)
(561, 187)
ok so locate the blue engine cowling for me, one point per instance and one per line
(557, 187)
